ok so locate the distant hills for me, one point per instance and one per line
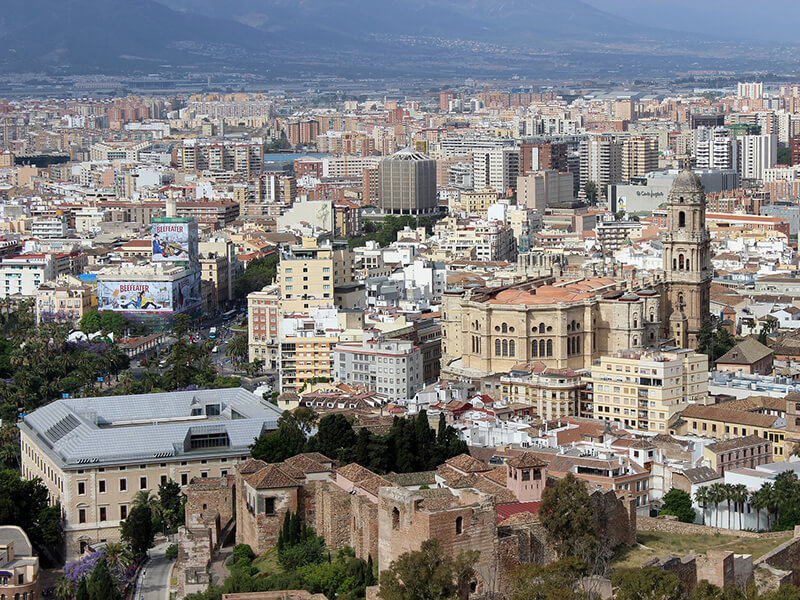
(359, 37)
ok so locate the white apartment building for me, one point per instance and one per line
(392, 368)
(348, 166)
(715, 149)
(759, 152)
(50, 227)
(601, 162)
(22, 275)
(496, 168)
(480, 240)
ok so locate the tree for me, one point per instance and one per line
(169, 504)
(9, 447)
(739, 495)
(701, 497)
(649, 583)
(590, 191)
(784, 156)
(428, 574)
(243, 551)
(181, 324)
(334, 435)
(767, 326)
(237, 349)
(566, 515)
(679, 504)
(286, 441)
(555, 581)
(101, 585)
(137, 530)
(25, 503)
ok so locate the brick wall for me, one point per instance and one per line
(614, 518)
(716, 567)
(211, 495)
(685, 569)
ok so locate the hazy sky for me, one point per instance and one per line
(728, 18)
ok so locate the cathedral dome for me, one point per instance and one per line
(686, 182)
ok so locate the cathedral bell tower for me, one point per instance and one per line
(687, 260)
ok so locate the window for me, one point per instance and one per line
(102, 513)
(459, 524)
(497, 347)
(526, 475)
(395, 518)
(142, 483)
(123, 512)
(681, 218)
(81, 515)
(269, 506)
(101, 486)
(123, 485)
(82, 486)
(184, 478)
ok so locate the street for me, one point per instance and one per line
(154, 578)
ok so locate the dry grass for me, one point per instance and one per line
(657, 544)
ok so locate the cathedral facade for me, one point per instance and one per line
(569, 324)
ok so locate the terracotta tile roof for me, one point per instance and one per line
(251, 465)
(271, 477)
(746, 352)
(364, 478)
(756, 403)
(498, 475)
(701, 474)
(500, 492)
(409, 479)
(307, 464)
(738, 417)
(525, 460)
(466, 464)
(292, 471)
(528, 509)
(736, 443)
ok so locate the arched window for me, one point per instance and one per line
(635, 320)
(681, 218)
(681, 262)
(497, 347)
(395, 518)
(635, 341)
(504, 328)
(541, 348)
(687, 264)
(674, 264)
(534, 348)
(505, 347)
(541, 327)
(459, 524)
(652, 317)
(573, 324)
(577, 345)
(512, 348)
(549, 347)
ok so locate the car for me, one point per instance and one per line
(215, 349)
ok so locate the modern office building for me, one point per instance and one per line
(407, 181)
(497, 168)
(95, 454)
(759, 152)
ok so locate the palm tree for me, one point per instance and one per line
(145, 498)
(768, 499)
(237, 349)
(63, 589)
(758, 502)
(740, 497)
(118, 557)
(717, 495)
(728, 497)
(701, 496)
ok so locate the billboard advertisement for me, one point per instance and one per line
(150, 297)
(186, 293)
(174, 241)
(135, 296)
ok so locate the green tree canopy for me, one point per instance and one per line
(566, 515)
(101, 585)
(428, 574)
(137, 529)
(679, 504)
(25, 503)
(649, 583)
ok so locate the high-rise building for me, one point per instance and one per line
(753, 90)
(407, 181)
(601, 162)
(496, 168)
(302, 132)
(639, 156)
(759, 152)
(542, 189)
(392, 368)
(245, 156)
(546, 156)
(714, 148)
(687, 261)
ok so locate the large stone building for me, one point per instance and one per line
(95, 454)
(561, 325)
(468, 507)
(569, 324)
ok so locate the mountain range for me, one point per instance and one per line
(359, 37)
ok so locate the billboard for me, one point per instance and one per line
(174, 241)
(150, 297)
(135, 296)
(186, 293)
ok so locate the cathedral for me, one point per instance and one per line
(570, 323)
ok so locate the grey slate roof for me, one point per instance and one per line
(147, 427)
